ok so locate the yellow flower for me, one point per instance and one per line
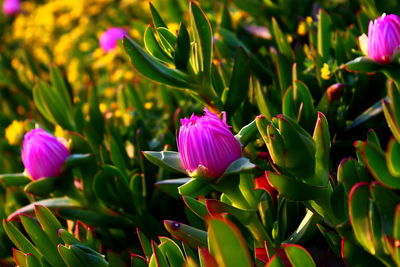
(15, 132)
(325, 72)
(302, 28)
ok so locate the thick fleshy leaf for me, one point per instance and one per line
(298, 256)
(152, 46)
(152, 68)
(358, 202)
(190, 235)
(44, 186)
(51, 203)
(94, 218)
(195, 188)
(375, 160)
(196, 206)
(41, 241)
(247, 133)
(239, 166)
(324, 35)
(182, 48)
(239, 83)
(171, 251)
(354, 255)
(169, 160)
(294, 189)
(14, 179)
(363, 64)
(280, 39)
(216, 207)
(49, 223)
(145, 243)
(393, 157)
(19, 240)
(170, 186)
(157, 20)
(202, 36)
(226, 243)
(68, 255)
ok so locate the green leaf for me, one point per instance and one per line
(353, 255)
(157, 20)
(358, 202)
(170, 186)
(169, 160)
(41, 241)
(19, 240)
(145, 243)
(298, 104)
(95, 218)
(171, 251)
(280, 39)
(294, 189)
(157, 259)
(322, 140)
(44, 186)
(190, 235)
(202, 38)
(168, 40)
(153, 47)
(70, 258)
(60, 88)
(14, 179)
(363, 64)
(138, 261)
(105, 189)
(216, 207)
(298, 256)
(227, 244)
(239, 83)
(247, 133)
(152, 68)
(375, 160)
(55, 105)
(324, 35)
(49, 223)
(303, 230)
(195, 188)
(393, 157)
(196, 206)
(182, 48)
(239, 166)
(51, 203)
(88, 256)
(386, 201)
(369, 113)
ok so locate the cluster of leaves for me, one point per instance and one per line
(290, 200)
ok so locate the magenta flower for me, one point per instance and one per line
(384, 38)
(206, 145)
(109, 39)
(42, 154)
(11, 7)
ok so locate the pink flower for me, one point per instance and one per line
(11, 7)
(384, 38)
(109, 39)
(206, 145)
(42, 154)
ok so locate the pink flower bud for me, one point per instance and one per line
(11, 7)
(384, 38)
(206, 145)
(109, 39)
(42, 154)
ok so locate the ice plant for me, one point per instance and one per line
(43, 154)
(206, 145)
(383, 39)
(109, 39)
(11, 7)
